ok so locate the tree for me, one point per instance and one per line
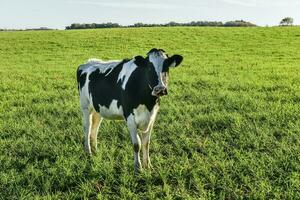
(287, 21)
(239, 23)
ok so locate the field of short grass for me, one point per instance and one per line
(229, 128)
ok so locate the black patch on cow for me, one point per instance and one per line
(175, 58)
(140, 61)
(78, 74)
(104, 89)
(136, 148)
(178, 59)
(165, 67)
(81, 78)
(138, 89)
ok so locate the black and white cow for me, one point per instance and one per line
(127, 89)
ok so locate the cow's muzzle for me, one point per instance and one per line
(159, 91)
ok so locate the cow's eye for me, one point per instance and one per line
(165, 68)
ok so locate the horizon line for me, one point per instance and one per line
(128, 25)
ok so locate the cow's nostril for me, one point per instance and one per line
(160, 91)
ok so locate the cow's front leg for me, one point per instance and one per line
(136, 141)
(145, 146)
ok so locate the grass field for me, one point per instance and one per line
(229, 128)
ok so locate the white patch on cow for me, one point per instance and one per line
(157, 59)
(136, 141)
(144, 118)
(154, 112)
(126, 72)
(94, 64)
(113, 112)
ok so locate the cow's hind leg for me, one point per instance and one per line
(86, 129)
(136, 141)
(95, 121)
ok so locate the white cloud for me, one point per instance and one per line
(249, 3)
(263, 3)
(134, 4)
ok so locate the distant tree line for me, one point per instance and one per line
(193, 23)
(236, 23)
(93, 25)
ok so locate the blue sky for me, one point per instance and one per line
(61, 13)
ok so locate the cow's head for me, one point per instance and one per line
(161, 63)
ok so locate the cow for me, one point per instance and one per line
(128, 89)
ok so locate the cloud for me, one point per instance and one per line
(133, 4)
(250, 3)
(263, 3)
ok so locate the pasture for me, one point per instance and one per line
(229, 128)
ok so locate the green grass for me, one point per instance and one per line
(229, 128)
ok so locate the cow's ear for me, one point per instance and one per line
(140, 61)
(174, 60)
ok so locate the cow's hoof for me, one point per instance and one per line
(150, 167)
(88, 152)
(137, 170)
(147, 165)
(94, 151)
